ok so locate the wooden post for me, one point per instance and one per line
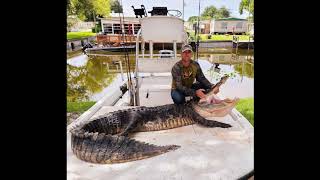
(142, 47)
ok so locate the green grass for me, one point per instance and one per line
(204, 37)
(79, 35)
(245, 107)
(220, 37)
(79, 106)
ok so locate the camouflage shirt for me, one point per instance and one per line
(184, 77)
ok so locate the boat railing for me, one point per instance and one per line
(151, 63)
(156, 55)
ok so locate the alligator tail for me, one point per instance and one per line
(107, 149)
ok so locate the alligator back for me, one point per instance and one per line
(105, 139)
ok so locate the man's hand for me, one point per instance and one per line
(200, 93)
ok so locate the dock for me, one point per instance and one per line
(243, 44)
(112, 49)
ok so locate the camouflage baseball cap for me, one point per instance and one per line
(186, 47)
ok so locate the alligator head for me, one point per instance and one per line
(212, 105)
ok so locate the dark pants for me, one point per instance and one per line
(179, 97)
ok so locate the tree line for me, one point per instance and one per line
(211, 12)
(88, 10)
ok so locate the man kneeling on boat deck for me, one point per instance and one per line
(184, 73)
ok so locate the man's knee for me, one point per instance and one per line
(177, 97)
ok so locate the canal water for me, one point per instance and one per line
(89, 79)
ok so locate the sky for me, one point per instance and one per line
(191, 6)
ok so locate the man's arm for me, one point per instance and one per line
(201, 78)
(176, 75)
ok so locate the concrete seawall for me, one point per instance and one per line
(74, 45)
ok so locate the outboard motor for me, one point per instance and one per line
(216, 68)
(87, 45)
(124, 88)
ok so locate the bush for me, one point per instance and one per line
(71, 21)
(209, 36)
(99, 29)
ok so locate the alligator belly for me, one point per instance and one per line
(165, 124)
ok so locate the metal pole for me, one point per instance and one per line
(137, 46)
(120, 62)
(242, 71)
(175, 49)
(198, 34)
(137, 99)
(237, 43)
(183, 10)
(151, 49)
(248, 28)
(142, 47)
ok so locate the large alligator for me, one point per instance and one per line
(106, 140)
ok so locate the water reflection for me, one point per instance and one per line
(87, 77)
(245, 69)
(239, 67)
(238, 85)
(84, 81)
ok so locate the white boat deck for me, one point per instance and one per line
(205, 153)
(158, 88)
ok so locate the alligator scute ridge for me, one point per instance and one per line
(105, 139)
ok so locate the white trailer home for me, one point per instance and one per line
(228, 25)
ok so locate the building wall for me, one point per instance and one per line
(188, 26)
(113, 25)
(228, 26)
(74, 45)
(251, 28)
(204, 27)
(82, 26)
(207, 29)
